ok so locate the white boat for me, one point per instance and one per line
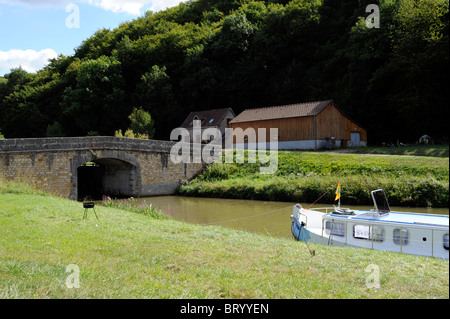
(380, 229)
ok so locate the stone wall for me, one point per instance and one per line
(133, 167)
(48, 171)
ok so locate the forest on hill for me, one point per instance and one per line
(204, 54)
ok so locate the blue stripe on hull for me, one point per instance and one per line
(299, 232)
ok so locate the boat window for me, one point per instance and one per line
(335, 228)
(401, 236)
(361, 231)
(375, 233)
(378, 233)
(446, 241)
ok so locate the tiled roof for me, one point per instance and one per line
(208, 118)
(283, 111)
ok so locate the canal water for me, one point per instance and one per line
(271, 218)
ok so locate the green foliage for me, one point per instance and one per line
(142, 122)
(130, 134)
(129, 205)
(141, 126)
(97, 100)
(55, 130)
(305, 177)
(212, 54)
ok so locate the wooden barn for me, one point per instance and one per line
(312, 125)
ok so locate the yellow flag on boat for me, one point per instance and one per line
(338, 191)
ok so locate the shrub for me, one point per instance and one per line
(305, 177)
(131, 206)
(55, 130)
(142, 123)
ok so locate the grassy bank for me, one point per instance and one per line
(125, 254)
(409, 150)
(304, 177)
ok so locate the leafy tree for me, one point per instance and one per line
(98, 100)
(158, 98)
(16, 80)
(142, 122)
(20, 115)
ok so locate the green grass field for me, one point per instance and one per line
(304, 176)
(409, 150)
(125, 254)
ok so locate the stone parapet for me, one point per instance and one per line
(83, 143)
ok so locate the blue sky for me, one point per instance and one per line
(32, 31)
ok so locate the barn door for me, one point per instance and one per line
(356, 139)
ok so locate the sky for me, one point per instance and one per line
(34, 31)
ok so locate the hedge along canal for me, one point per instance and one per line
(264, 217)
(409, 181)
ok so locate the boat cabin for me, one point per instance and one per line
(380, 229)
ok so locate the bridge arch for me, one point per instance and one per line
(105, 173)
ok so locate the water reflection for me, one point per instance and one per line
(272, 218)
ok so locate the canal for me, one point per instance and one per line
(271, 218)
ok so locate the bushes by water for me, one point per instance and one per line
(304, 177)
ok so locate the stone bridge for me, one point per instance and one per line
(90, 167)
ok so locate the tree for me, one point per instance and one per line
(142, 122)
(98, 99)
(157, 97)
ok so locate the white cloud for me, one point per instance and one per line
(158, 5)
(135, 7)
(132, 7)
(29, 60)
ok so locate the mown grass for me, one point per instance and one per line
(128, 255)
(304, 177)
(409, 150)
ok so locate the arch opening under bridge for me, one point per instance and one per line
(106, 177)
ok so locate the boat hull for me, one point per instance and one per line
(300, 232)
(397, 233)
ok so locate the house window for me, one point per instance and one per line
(401, 236)
(446, 241)
(375, 233)
(335, 228)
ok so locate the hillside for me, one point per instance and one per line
(242, 54)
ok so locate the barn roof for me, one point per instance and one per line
(282, 111)
(208, 118)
